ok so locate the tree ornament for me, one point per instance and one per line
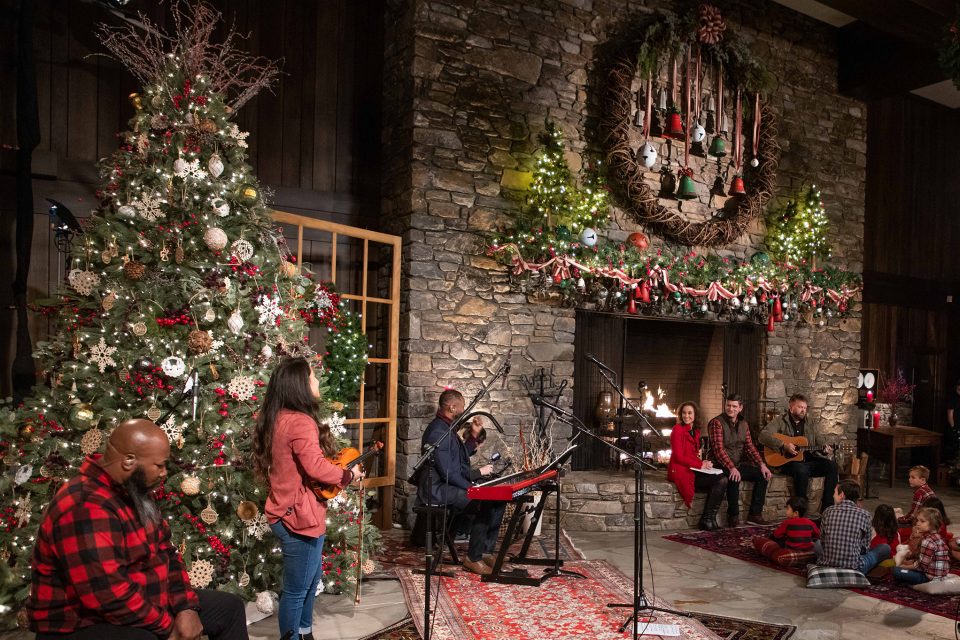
(235, 322)
(82, 415)
(180, 167)
(712, 24)
(165, 253)
(24, 510)
(266, 351)
(215, 238)
(258, 526)
(369, 566)
(199, 341)
(248, 194)
(215, 166)
(266, 602)
(136, 101)
(139, 329)
(190, 485)
(754, 162)
(288, 269)
(127, 211)
(588, 237)
(173, 366)
(173, 430)
(108, 301)
(241, 388)
(23, 474)
(178, 255)
(648, 155)
(91, 441)
(154, 413)
(102, 355)
(83, 281)
(698, 134)
(247, 510)
(200, 573)
(221, 207)
(209, 514)
(243, 580)
(639, 240)
(242, 249)
(134, 270)
(46, 472)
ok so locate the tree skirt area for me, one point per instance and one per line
(562, 608)
(737, 543)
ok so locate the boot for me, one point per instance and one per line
(287, 636)
(306, 636)
(708, 520)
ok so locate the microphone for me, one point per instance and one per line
(539, 401)
(592, 358)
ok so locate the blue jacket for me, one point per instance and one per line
(451, 466)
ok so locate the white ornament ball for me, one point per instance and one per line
(215, 238)
(222, 207)
(265, 602)
(588, 237)
(754, 162)
(179, 166)
(127, 211)
(242, 249)
(735, 302)
(215, 166)
(24, 473)
(173, 366)
(698, 133)
(190, 485)
(235, 323)
(267, 351)
(648, 155)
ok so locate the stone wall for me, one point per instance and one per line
(468, 85)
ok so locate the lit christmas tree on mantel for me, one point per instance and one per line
(797, 233)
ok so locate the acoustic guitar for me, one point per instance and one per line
(346, 458)
(776, 458)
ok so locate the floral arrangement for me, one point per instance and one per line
(896, 390)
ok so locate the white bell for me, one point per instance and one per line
(215, 166)
(235, 323)
(648, 155)
(698, 133)
(754, 163)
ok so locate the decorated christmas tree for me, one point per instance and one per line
(181, 299)
(797, 233)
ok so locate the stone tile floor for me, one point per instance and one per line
(692, 579)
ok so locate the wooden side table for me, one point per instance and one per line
(884, 442)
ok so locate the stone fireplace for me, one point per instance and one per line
(468, 86)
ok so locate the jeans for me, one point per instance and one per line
(873, 557)
(752, 474)
(813, 467)
(910, 576)
(221, 615)
(302, 570)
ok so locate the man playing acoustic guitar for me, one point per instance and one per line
(793, 424)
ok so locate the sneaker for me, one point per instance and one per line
(756, 519)
(477, 567)
(461, 538)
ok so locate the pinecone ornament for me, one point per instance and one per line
(134, 270)
(199, 342)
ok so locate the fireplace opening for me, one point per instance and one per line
(660, 363)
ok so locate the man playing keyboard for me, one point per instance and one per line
(451, 477)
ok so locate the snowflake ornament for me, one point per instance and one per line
(83, 281)
(241, 388)
(189, 169)
(242, 249)
(335, 422)
(174, 366)
(23, 512)
(269, 309)
(148, 207)
(200, 573)
(102, 355)
(173, 430)
(258, 526)
(239, 136)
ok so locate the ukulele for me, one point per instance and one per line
(777, 458)
(346, 458)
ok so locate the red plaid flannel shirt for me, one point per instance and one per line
(934, 558)
(715, 429)
(919, 495)
(95, 563)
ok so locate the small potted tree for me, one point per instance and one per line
(893, 392)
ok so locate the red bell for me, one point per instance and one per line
(644, 292)
(674, 126)
(770, 326)
(736, 187)
(777, 310)
(632, 305)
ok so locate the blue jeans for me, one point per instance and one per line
(910, 576)
(302, 570)
(873, 557)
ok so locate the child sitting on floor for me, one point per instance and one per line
(791, 543)
(933, 558)
(932, 502)
(921, 491)
(885, 531)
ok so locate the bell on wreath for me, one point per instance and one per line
(644, 292)
(631, 305)
(777, 310)
(668, 182)
(736, 187)
(674, 128)
(770, 326)
(718, 148)
(687, 190)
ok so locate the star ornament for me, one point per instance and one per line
(101, 355)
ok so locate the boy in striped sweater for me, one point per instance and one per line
(791, 543)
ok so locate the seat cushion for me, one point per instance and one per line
(834, 578)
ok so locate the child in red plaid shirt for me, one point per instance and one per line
(791, 543)
(933, 558)
(921, 491)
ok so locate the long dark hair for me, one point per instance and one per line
(885, 522)
(289, 388)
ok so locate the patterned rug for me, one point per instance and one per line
(736, 543)
(563, 608)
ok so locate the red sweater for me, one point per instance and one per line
(297, 459)
(684, 453)
(879, 539)
(796, 534)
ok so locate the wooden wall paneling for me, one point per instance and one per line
(367, 130)
(270, 148)
(327, 88)
(42, 41)
(82, 83)
(742, 350)
(59, 91)
(292, 105)
(8, 77)
(112, 116)
(308, 93)
(347, 42)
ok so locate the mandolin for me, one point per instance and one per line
(346, 458)
(776, 458)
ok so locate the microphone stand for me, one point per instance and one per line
(640, 602)
(428, 455)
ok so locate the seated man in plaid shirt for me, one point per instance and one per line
(845, 533)
(103, 565)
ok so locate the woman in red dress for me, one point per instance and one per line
(689, 472)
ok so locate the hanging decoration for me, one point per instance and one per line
(695, 47)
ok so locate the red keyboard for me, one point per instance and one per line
(510, 487)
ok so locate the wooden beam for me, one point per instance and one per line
(909, 21)
(874, 65)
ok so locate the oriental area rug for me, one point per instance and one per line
(736, 543)
(563, 608)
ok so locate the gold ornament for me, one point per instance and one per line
(46, 471)
(288, 269)
(134, 270)
(247, 510)
(213, 372)
(244, 579)
(165, 253)
(136, 101)
(199, 342)
(248, 194)
(91, 441)
(83, 415)
(209, 315)
(26, 430)
(208, 126)
(139, 329)
(108, 302)
(106, 257)
(190, 485)
(154, 413)
(209, 514)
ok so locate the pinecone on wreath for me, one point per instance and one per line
(712, 24)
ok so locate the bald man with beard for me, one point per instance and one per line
(103, 564)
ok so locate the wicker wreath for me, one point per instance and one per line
(627, 175)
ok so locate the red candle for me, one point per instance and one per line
(869, 396)
(876, 419)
